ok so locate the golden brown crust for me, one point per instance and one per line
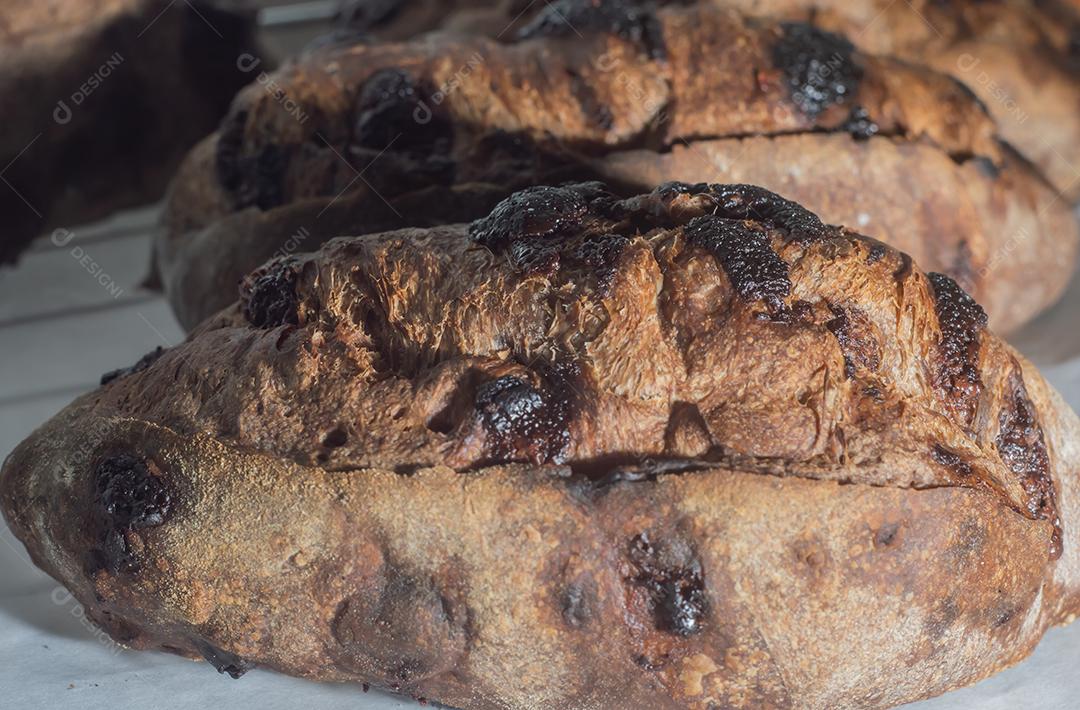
(102, 98)
(615, 104)
(694, 448)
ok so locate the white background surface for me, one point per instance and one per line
(60, 328)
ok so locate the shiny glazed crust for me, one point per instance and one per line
(690, 93)
(689, 449)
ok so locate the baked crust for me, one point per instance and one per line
(102, 99)
(1020, 57)
(859, 143)
(689, 449)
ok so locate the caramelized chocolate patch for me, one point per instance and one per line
(127, 497)
(819, 66)
(395, 110)
(268, 296)
(671, 576)
(951, 460)
(961, 320)
(129, 494)
(141, 364)
(254, 179)
(601, 253)
(756, 272)
(632, 20)
(526, 422)
(224, 661)
(757, 203)
(531, 225)
(1022, 447)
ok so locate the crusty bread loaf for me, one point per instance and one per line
(101, 100)
(1021, 57)
(692, 93)
(692, 448)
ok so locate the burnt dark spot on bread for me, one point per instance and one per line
(394, 110)
(526, 422)
(254, 178)
(530, 225)
(756, 203)
(746, 255)
(1022, 447)
(268, 297)
(129, 494)
(962, 321)
(668, 191)
(820, 67)
(632, 20)
(854, 333)
(670, 573)
(225, 662)
(859, 124)
(951, 460)
(141, 364)
(127, 497)
(600, 252)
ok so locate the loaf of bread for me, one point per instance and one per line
(101, 100)
(423, 133)
(1021, 57)
(688, 449)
